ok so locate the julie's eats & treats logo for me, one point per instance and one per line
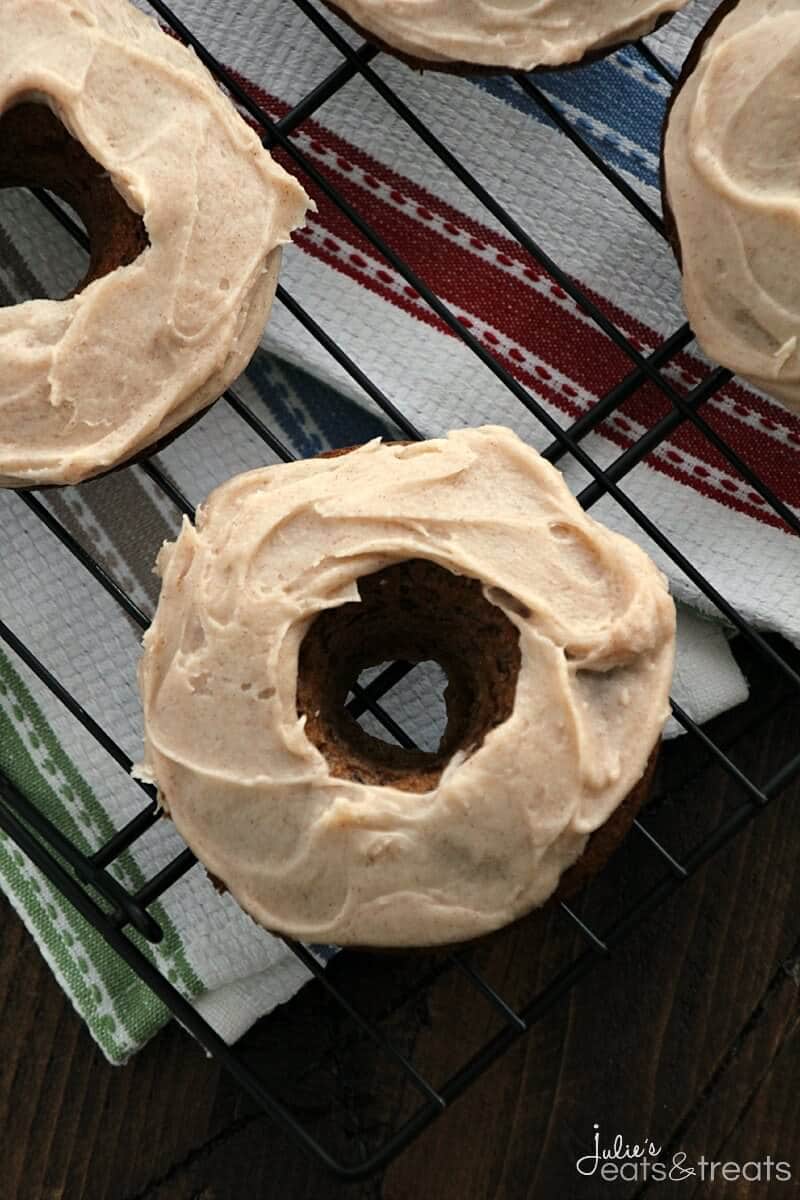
(612, 1159)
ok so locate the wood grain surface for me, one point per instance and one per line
(688, 1034)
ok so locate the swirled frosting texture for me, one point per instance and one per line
(516, 34)
(734, 192)
(87, 382)
(327, 859)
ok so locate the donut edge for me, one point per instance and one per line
(600, 848)
(687, 70)
(481, 70)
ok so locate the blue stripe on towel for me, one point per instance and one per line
(311, 415)
(619, 114)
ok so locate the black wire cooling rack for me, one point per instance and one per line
(113, 910)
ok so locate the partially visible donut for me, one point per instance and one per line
(481, 36)
(556, 636)
(185, 212)
(731, 192)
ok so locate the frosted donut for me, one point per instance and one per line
(188, 233)
(557, 636)
(731, 194)
(517, 35)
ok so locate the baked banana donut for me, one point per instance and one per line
(556, 636)
(518, 35)
(186, 213)
(731, 193)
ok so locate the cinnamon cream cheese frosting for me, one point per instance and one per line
(329, 859)
(734, 193)
(87, 382)
(512, 34)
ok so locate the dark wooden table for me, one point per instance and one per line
(688, 1035)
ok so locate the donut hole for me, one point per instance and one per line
(415, 703)
(36, 151)
(28, 275)
(420, 613)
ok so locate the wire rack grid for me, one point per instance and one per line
(87, 880)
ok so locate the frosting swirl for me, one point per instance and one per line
(326, 858)
(732, 187)
(514, 34)
(88, 381)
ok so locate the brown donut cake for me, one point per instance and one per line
(481, 37)
(37, 151)
(557, 638)
(731, 198)
(185, 213)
